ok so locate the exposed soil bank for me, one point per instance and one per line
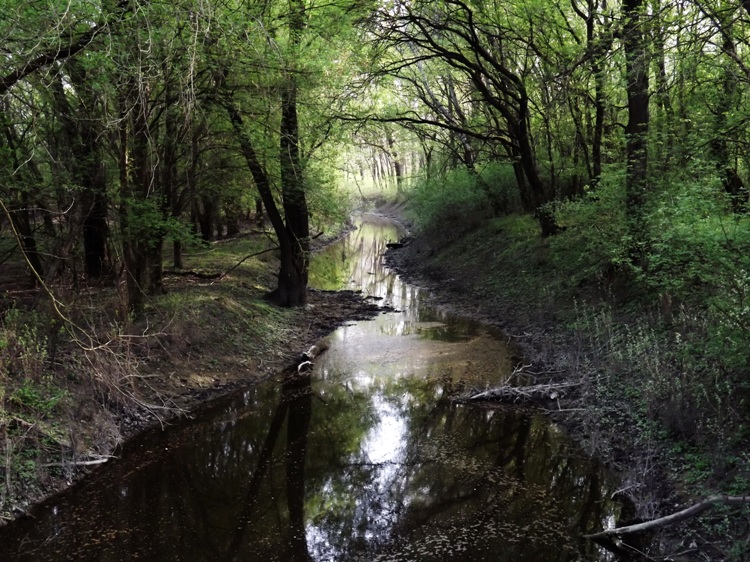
(493, 272)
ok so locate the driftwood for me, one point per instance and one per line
(537, 392)
(304, 361)
(691, 511)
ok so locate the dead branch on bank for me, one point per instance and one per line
(89, 462)
(654, 524)
(533, 393)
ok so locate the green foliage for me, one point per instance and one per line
(38, 399)
(700, 257)
(23, 345)
(595, 235)
(455, 201)
(146, 221)
(329, 205)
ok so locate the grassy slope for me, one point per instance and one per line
(582, 320)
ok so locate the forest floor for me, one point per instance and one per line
(593, 332)
(65, 410)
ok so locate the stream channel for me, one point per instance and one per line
(367, 459)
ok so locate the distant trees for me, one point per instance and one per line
(127, 125)
(566, 92)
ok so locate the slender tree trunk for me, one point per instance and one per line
(20, 215)
(727, 97)
(23, 223)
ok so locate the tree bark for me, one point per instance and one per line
(292, 280)
(285, 294)
(636, 130)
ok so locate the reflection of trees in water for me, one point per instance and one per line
(465, 481)
(289, 478)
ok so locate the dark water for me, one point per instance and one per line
(364, 460)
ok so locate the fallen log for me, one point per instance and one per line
(654, 524)
(537, 392)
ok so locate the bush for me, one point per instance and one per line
(594, 237)
(23, 347)
(452, 203)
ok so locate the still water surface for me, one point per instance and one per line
(366, 459)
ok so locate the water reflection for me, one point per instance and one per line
(366, 459)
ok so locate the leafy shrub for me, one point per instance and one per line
(595, 233)
(23, 347)
(450, 204)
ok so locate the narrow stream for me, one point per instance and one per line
(365, 460)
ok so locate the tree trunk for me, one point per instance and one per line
(95, 233)
(207, 218)
(23, 224)
(260, 219)
(727, 98)
(292, 288)
(295, 247)
(636, 130)
(292, 280)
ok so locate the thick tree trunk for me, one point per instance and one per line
(292, 281)
(295, 247)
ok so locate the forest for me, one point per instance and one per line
(587, 159)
